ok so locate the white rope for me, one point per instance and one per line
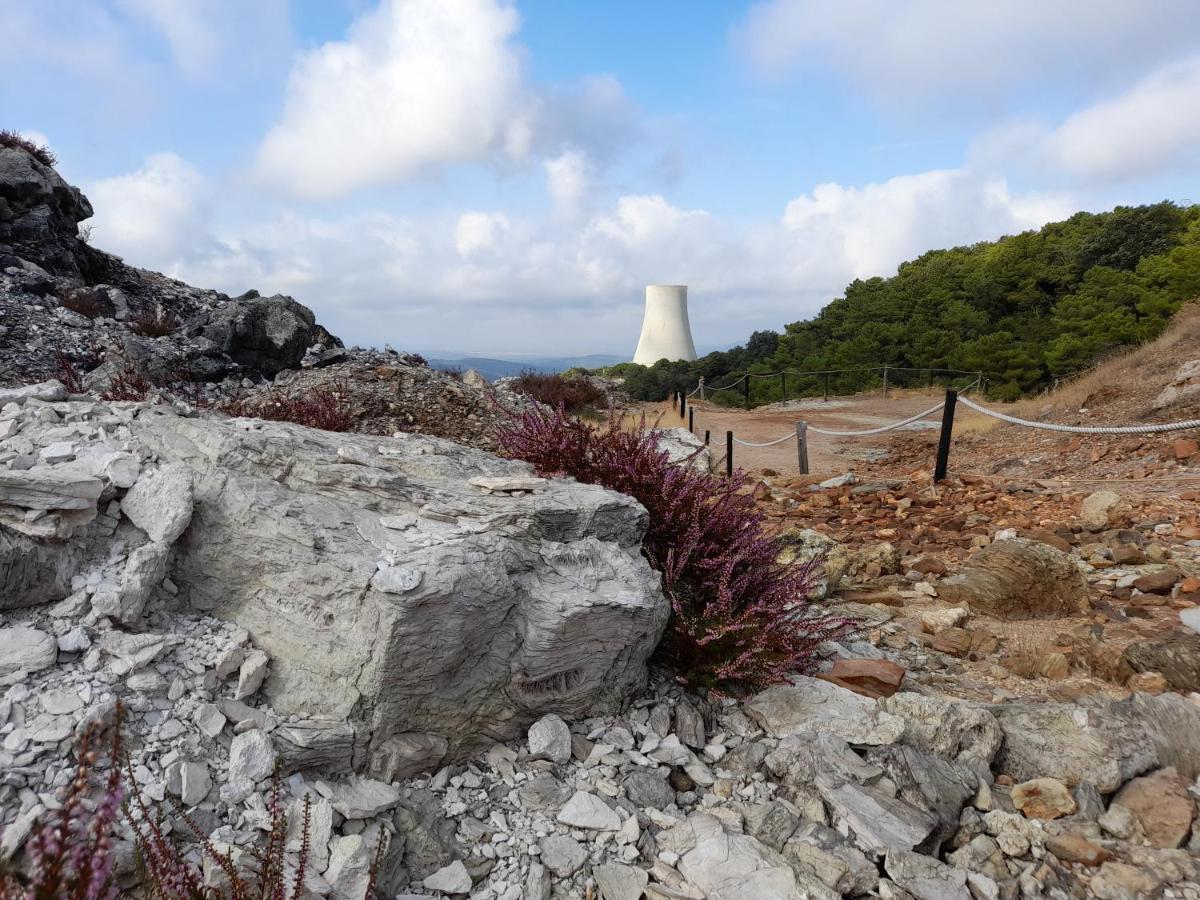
(786, 437)
(1083, 429)
(882, 428)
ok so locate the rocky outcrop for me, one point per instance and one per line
(65, 302)
(39, 212)
(396, 584)
(1018, 579)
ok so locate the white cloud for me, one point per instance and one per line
(478, 231)
(417, 83)
(1143, 132)
(567, 179)
(152, 216)
(490, 279)
(838, 232)
(914, 49)
(211, 38)
(1150, 127)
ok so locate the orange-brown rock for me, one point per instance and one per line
(1159, 582)
(1184, 448)
(1148, 682)
(1160, 802)
(869, 677)
(1018, 579)
(1074, 848)
(952, 641)
(1043, 798)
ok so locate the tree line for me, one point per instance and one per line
(1025, 310)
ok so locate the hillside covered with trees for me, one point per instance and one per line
(1024, 310)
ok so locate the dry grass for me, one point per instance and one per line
(1135, 376)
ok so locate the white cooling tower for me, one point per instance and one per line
(666, 333)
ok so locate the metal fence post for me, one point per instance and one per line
(682, 405)
(692, 419)
(826, 386)
(729, 454)
(802, 447)
(707, 436)
(943, 450)
(746, 390)
(783, 385)
(885, 382)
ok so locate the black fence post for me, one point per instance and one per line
(943, 450)
(692, 419)
(729, 454)
(707, 436)
(746, 390)
(682, 405)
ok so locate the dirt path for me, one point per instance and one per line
(826, 455)
(1132, 466)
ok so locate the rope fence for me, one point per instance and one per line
(888, 372)
(947, 408)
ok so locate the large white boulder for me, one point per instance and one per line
(409, 609)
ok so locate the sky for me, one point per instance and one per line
(489, 177)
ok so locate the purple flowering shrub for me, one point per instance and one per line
(71, 857)
(741, 618)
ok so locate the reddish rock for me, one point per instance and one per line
(1184, 448)
(952, 641)
(1159, 582)
(928, 565)
(870, 677)
(1074, 848)
(1160, 801)
(1047, 537)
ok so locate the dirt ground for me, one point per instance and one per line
(1136, 465)
(826, 455)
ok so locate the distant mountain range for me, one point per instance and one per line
(491, 368)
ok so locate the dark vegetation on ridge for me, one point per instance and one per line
(1025, 310)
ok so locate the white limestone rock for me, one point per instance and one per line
(195, 783)
(550, 738)
(160, 503)
(251, 756)
(585, 810)
(251, 674)
(813, 705)
(47, 391)
(451, 879)
(26, 649)
(359, 798)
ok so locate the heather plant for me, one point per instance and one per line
(66, 372)
(16, 139)
(740, 618)
(325, 408)
(153, 323)
(128, 384)
(576, 393)
(72, 856)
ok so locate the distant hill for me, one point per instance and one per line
(491, 369)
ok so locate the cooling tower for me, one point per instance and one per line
(666, 333)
